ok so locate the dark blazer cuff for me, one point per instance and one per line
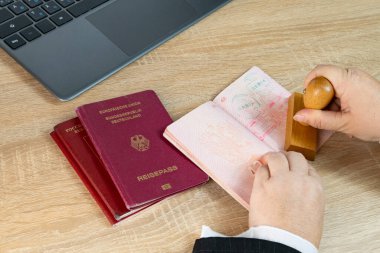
(239, 245)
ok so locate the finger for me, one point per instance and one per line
(334, 105)
(261, 175)
(277, 163)
(297, 163)
(336, 75)
(328, 120)
(253, 159)
(254, 166)
(313, 173)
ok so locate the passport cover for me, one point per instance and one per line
(126, 133)
(84, 179)
(245, 120)
(75, 145)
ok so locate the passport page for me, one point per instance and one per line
(220, 146)
(260, 104)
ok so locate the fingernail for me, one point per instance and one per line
(255, 166)
(299, 118)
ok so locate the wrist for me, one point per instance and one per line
(312, 234)
(283, 236)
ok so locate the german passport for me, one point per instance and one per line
(244, 122)
(117, 148)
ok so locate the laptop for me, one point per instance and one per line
(71, 45)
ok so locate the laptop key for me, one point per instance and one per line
(45, 26)
(30, 33)
(65, 3)
(5, 15)
(84, 6)
(51, 7)
(33, 3)
(78, 9)
(37, 14)
(14, 25)
(15, 41)
(61, 18)
(96, 3)
(18, 7)
(5, 2)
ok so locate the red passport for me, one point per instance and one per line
(127, 133)
(75, 145)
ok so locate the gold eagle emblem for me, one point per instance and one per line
(140, 143)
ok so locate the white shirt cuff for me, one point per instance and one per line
(269, 234)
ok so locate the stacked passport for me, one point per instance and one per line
(117, 148)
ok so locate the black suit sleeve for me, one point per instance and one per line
(239, 245)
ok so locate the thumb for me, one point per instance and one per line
(328, 120)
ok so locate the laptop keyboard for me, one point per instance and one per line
(24, 21)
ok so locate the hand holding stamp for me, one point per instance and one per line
(301, 138)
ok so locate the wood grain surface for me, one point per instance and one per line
(45, 208)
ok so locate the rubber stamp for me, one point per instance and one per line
(302, 138)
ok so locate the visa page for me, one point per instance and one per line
(260, 104)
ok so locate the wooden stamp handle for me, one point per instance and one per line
(318, 93)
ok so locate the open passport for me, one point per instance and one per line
(245, 120)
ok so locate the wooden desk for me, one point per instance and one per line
(45, 208)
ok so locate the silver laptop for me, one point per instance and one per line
(71, 45)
